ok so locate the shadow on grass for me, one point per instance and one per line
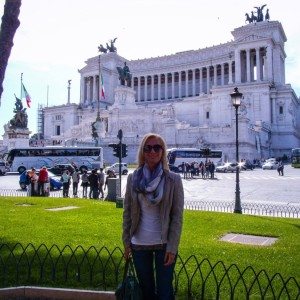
(102, 269)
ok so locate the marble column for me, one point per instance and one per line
(95, 98)
(200, 81)
(215, 75)
(258, 78)
(139, 89)
(187, 83)
(237, 56)
(207, 80)
(222, 74)
(230, 72)
(158, 86)
(152, 87)
(179, 84)
(194, 82)
(173, 85)
(146, 88)
(248, 65)
(166, 86)
(270, 63)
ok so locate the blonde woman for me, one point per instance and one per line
(152, 219)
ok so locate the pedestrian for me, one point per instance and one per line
(212, 170)
(152, 219)
(75, 181)
(34, 182)
(280, 168)
(101, 177)
(84, 183)
(65, 179)
(94, 184)
(42, 181)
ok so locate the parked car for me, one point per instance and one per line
(270, 165)
(227, 167)
(59, 169)
(3, 168)
(115, 168)
(246, 165)
(55, 183)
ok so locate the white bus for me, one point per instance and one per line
(177, 156)
(85, 158)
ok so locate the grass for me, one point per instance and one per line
(98, 223)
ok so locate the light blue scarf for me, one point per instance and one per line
(151, 184)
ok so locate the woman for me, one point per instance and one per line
(152, 219)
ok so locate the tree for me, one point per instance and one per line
(9, 26)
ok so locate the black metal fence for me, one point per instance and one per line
(102, 269)
(252, 208)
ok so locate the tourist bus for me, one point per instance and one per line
(84, 158)
(177, 156)
(295, 157)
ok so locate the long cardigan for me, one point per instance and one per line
(171, 211)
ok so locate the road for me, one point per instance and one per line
(263, 186)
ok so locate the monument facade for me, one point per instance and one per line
(186, 97)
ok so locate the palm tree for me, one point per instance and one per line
(9, 25)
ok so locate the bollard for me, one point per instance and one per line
(113, 187)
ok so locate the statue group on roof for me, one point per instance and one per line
(110, 47)
(258, 16)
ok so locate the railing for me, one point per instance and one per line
(102, 269)
(251, 208)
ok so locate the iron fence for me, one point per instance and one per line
(252, 208)
(102, 269)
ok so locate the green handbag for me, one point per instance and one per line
(129, 289)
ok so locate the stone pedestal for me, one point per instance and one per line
(124, 98)
(15, 137)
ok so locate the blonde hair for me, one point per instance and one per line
(141, 158)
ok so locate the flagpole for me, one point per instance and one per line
(100, 88)
(21, 94)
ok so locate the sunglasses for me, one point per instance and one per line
(156, 148)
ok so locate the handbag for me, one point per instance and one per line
(129, 288)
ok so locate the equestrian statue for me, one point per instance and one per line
(124, 75)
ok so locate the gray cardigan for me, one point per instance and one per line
(171, 211)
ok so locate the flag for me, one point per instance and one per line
(102, 92)
(26, 95)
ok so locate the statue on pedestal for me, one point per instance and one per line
(20, 119)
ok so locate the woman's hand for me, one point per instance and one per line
(169, 258)
(127, 252)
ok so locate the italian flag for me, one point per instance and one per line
(102, 92)
(26, 95)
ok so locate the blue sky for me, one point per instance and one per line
(56, 37)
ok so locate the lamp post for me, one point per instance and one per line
(236, 98)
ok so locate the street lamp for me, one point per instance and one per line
(236, 98)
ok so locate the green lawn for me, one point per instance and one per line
(98, 223)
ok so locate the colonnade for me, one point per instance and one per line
(181, 84)
(248, 65)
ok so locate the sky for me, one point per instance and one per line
(56, 37)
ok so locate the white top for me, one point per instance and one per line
(149, 229)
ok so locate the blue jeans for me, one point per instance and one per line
(144, 261)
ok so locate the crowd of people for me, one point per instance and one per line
(38, 184)
(206, 169)
(93, 184)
